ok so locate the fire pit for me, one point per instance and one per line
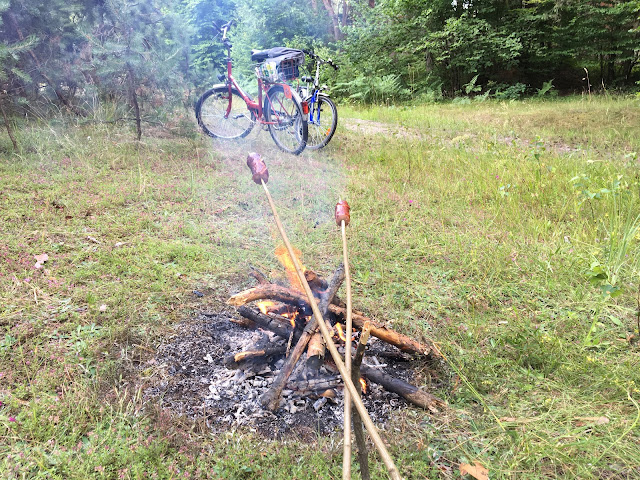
(307, 317)
(221, 365)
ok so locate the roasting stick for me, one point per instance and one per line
(261, 176)
(342, 219)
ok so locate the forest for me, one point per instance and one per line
(480, 180)
(143, 55)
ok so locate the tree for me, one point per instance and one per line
(135, 54)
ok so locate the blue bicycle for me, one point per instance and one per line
(323, 115)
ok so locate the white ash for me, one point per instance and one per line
(198, 385)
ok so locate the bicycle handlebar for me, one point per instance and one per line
(319, 59)
(224, 27)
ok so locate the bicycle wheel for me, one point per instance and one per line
(283, 114)
(323, 120)
(211, 112)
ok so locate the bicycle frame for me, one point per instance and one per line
(317, 90)
(253, 106)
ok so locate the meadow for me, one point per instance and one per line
(508, 233)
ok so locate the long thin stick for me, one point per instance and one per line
(373, 431)
(346, 456)
(363, 458)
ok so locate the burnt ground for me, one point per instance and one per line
(197, 384)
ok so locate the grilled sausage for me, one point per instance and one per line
(342, 212)
(258, 168)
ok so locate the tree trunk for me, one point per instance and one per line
(133, 96)
(7, 124)
(345, 12)
(335, 21)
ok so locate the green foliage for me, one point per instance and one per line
(377, 90)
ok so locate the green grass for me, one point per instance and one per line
(506, 232)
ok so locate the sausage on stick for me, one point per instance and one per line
(256, 165)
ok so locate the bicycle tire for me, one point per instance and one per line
(211, 109)
(286, 122)
(323, 121)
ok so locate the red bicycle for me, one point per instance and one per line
(226, 111)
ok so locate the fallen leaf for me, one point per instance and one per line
(103, 308)
(477, 471)
(40, 259)
(93, 239)
(582, 421)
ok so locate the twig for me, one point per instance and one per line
(346, 457)
(363, 457)
(373, 431)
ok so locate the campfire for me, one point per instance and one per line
(284, 312)
(283, 362)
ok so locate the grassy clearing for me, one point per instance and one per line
(507, 232)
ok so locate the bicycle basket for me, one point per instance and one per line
(278, 64)
(288, 69)
(268, 71)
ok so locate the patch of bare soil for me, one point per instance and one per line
(197, 383)
(371, 127)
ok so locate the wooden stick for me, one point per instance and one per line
(346, 456)
(373, 431)
(403, 342)
(363, 457)
(271, 398)
(283, 294)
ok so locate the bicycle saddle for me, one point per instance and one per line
(262, 55)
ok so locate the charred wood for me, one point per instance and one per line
(313, 386)
(403, 342)
(409, 392)
(233, 361)
(271, 398)
(281, 327)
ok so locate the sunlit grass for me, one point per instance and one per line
(506, 232)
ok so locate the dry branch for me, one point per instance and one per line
(407, 391)
(271, 398)
(403, 342)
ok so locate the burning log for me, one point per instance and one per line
(276, 292)
(280, 326)
(233, 361)
(315, 351)
(271, 398)
(410, 393)
(403, 342)
(269, 291)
